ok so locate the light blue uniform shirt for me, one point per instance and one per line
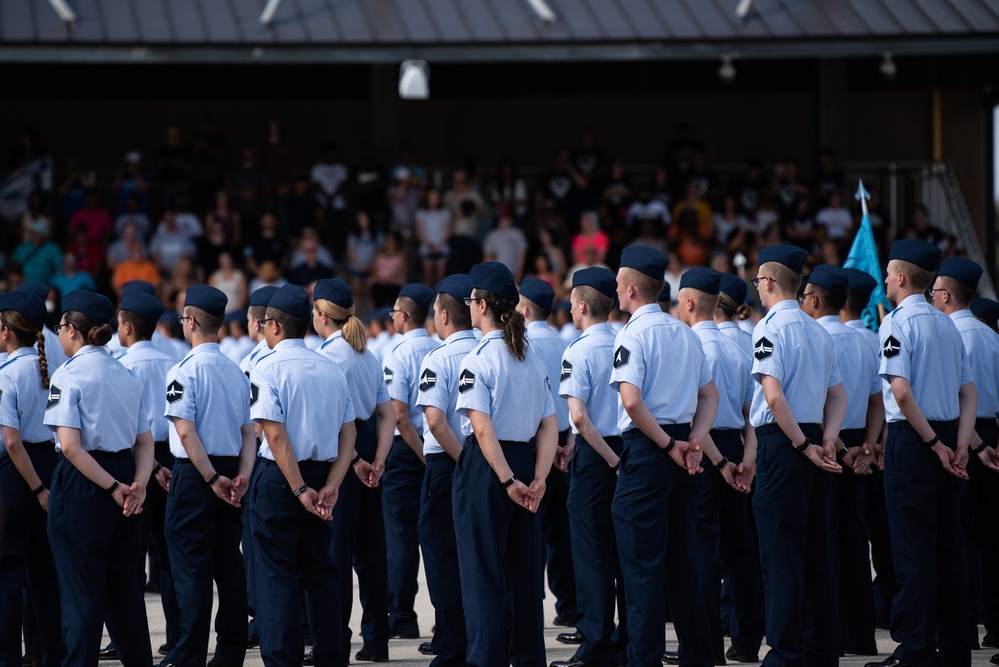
(207, 388)
(660, 355)
(981, 344)
(549, 346)
(250, 360)
(731, 370)
(22, 397)
(439, 386)
(793, 348)
(150, 366)
(97, 395)
(742, 339)
(401, 370)
(53, 352)
(857, 368)
(306, 392)
(515, 394)
(585, 374)
(922, 345)
(869, 336)
(363, 372)
(160, 342)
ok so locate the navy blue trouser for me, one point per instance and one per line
(26, 561)
(96, 550)
(154, 516)
(249, 560)
(923, 512)
(793, 506)
(498, 545)
(359, 546)
(401, 508)
(555, 530)
(725, 546)
(855, 593)
(653, 512)
(599, 588)
(292, 553)
(980, 523)
(203, 537)
(885, 582)
(440, 560)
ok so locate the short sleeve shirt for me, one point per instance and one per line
(22, 397)
(858, 370)
(401, 371)
(439, 386)
(364, 374)
(732, 372)
(585, 375)
(150, 366)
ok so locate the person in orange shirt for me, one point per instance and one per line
(136, 267)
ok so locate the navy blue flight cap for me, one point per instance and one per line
(702, 279)
(734, 286)
(987, 309)
(495, 277)
(421, 295)
(645, 260)
(335, 291)
(235, 316)
(916, 251)
(456, 285)
(263, 295)
(378, 315)
(860, 283)
(93, 305)
(146, 306)
(599, 278)
(962, 270)
(293, 300)
(209, 299)
(138, 286)
(790, 256)
(538, 291)
(666, 296)
(27, 304)
(831, 278)
(38, 289)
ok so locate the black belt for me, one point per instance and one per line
(934, 424)
(636, 433)
(311, 463)
(100, 455)
(438, 456)
(609, 439)
(212, 458)
(768, 429)
(44, 443)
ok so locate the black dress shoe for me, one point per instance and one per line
(213, 663)
(427, 648)
(165, 649)
(561, 621)
(732, 654)
(405, 634)
(671, 658)
(367, 656)
(308, 659)
(108, 653)
(870, 650)
(570, 637)
(890, 661)
(571, 662)
(995, 659)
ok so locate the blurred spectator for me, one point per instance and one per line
(230, 281)
(310, 269)
(509, 191)
(702, 177)
(552, 250)
(268, 246)
(691, 238)
(132, 216)
(674, 271)
(120, 250)
(729, 221)
(212, 245)
(89, 254)
(404, 199)
(70, 279)
(648, 208)
(587, 158)
(589, 259)
(542, 268)
(94, 218)
(27, 149)
(767, 215)
(617, 192)
(169, 244)
(800, 229)
(182, 275)
(407, 160)
(187, 221)
(459, 194)
(751, 188)
(226, 218)
(323, 254)
(828, 178)
(433, 232)
(173, 169)
(302, 208)
(835, 221)
(39, 258)
(679, 153)
(275, 157)
(73, 191)
(367, 183)
(662, 189)
(389, 271)
(590, 236)
(210, 155)
(362, 245)
(506, 244)
(561, 188)
(267, 274)
(35, 217)
(650, 234)
(694, 202)
(131, 179)
(135, 266)
(788, 184)
(249, 190)
(920, 227)
(830, 253)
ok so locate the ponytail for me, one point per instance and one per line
(351, 328)
(98, 334)
(732, 310)
(26, 335)
(504, 312)
(43, 362)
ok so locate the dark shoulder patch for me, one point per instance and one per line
(891, 348)
(763, 349)
(254, 393)
(566, 370)
(175, 392)
(622, 356)
(55, 395)
(466, 381)
(388, 375)
(428, 380)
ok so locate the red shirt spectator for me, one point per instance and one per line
(96, 219)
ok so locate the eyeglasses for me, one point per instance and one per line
(469, 300)
(59, 327)
(184, 318)
(262, 323)
(802, 296)
(393, 311)
(932, 292)
(756, 281)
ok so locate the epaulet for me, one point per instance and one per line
(482, 345)
(575, 341)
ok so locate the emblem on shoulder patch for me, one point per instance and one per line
(763, 349)
(566, 370)
(466, 381)
(175, 392)
(254, 393)
(621, 357)
(891, 347)
(388, 375)
(428, 380)
(55, 395)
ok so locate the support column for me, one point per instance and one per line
(384, 112)
(830, 103)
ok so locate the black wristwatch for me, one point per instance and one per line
(507, 484)
(721, 463)
(299, 491)
(114, 486)
(842, 453)
(977, 450)
(353, 461)
(802, 447)
(37, 492)
(930, 443)
(669, 445)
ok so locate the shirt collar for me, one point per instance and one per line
(204, 347)
(828, 319)
(332, 337)
(459, 335)
(962, 314)
(786, 304)
(90, 349)
(706, 325)
(597, 328)
(647, 308)
(913, 299)
(727, 325)
(140, 345)
(415, 333)
(498, 333)
(855, 324)
(537, 324)
(22, 352)
(291, 342)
